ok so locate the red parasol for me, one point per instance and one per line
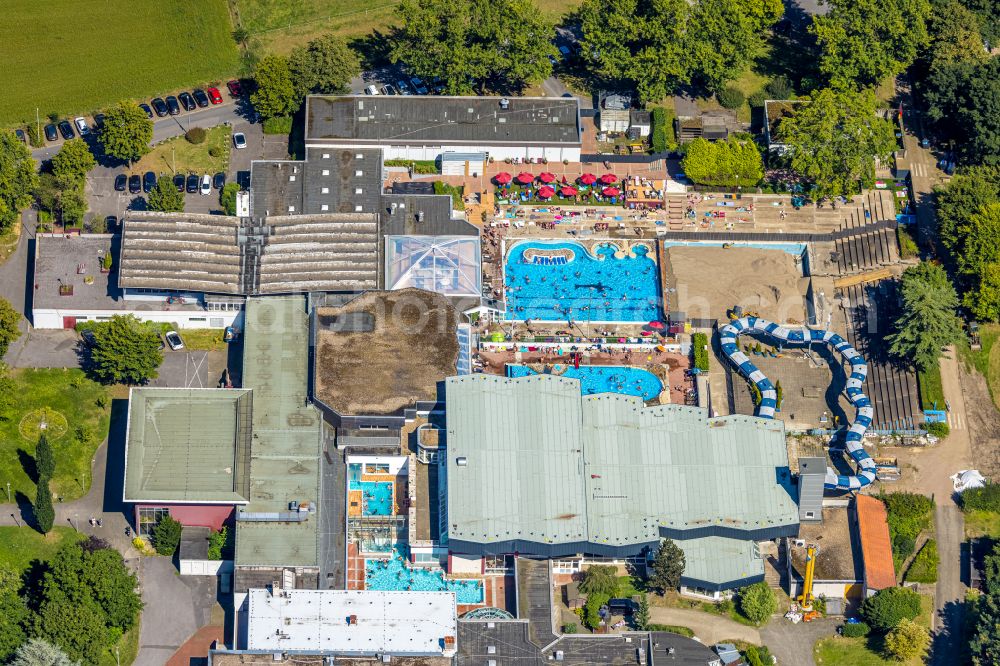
(525, 178)
(546, 192)
(655, 324)
(609, 178)
(546, 177)
(502, 178)
(568, 191)
(588, 179)
(611, 191)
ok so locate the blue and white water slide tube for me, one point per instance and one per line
(729, 341)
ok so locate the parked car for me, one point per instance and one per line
(387, 89)
(192, 183)
(179, 181)
(240, 140)
(219, 180)
(187, 101)
(21, 136)
(371, 90)
(50, 133)
(214, 96)
(174, 340)
(134, 183)
(403, 87)
(621, 606)
(66, 129)
(206, 184)
(418, 85)
(110, 223)
(173, 105)
(148, 182)
(149, 111)
(200, 97)
(160, 107)
(81, 125)
(235, 89)
(121, 182)
(99, 121)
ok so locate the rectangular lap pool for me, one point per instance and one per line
(603, 379)
(562, 281)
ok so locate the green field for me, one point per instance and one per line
(20, 545)
(189, 157)
(77, 56)
(867, 651)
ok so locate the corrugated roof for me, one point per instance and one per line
(876, 547)
(545, 465)
(720, 560)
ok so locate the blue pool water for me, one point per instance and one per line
(394, 575)
(582, 288)
(605, 379)
(795, 249)
(376, 495)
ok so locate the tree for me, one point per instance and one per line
(864, 42)
(834, 140)
(76, 628)
(45, 461)
(13, 613)
(985, 302)
(324, 66)
(125, 350)
(888, 606)
(475, 45)
(165, 197)
(74, 161)
(166, 536)
(985, 640)
(723, 163)
(45, 515)
(127, 132)
(10, 320)
(18, 178)
(227, 198)
(667, 567)
(927, 321)
(600, 579)
(960, 200)
(275, 94)
(726, 37)
(907, 640)
(641, 616)
(37, 652)
(757, 602)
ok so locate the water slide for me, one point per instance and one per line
(729, 341)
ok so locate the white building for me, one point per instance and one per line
(428, 127)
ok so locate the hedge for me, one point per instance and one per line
(278, 125)
(662, 136)
(937, 428)
(699, 345)
(923, 569)
(986, 498)
(856, 630)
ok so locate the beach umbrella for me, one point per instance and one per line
(502, 178)
(610, 191)
(546, 177)
(525, 178)
(588, 179)
(655, 324)
(568, 191)
(545, 192)
(609, 178)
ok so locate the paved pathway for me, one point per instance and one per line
(707, 627)
(793, 643)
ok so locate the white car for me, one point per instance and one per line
(371, 90)
(240, 140)
(174, 340)
(81, 126)
(206, 184)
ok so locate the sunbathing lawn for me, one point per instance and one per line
(19, 546)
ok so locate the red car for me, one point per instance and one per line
(235, 89)
(214, 96)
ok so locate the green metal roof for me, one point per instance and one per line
(545, 464)
(720, 560)
(187, 445)
(287, 435)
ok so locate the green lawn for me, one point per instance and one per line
(205, 339)
(69, 396)
(20, 545)
(189, 157)
(77, 56)
(986, 360)
(931, 390)
(866, 651)
(982, 523)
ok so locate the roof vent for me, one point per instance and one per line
(462, 461)
(504, 103)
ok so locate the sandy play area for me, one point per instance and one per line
(707, 281)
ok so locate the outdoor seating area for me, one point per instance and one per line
(588, 189)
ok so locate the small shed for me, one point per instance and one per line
(462, 164)
(614, 117)
(641, 121)
(572, 596)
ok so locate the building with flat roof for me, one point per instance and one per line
(352, 623)
(537, 469)
(427, 127)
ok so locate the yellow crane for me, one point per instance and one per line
(806, 598)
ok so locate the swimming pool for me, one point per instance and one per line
(376, 497)
(559, 281)
(393, 575)
(605, 379)
(794, 249)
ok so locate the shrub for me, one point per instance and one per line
(34, 138)
(227, 198)
(907, 244)
(278, 125)
(699, 344)
(923, 569)
(731, 98)
(167, 536)
(570, 628)
(196, 135)
(214, 151)
(986, 498)
(757, 99)
(600, 579)
(909, 513)
(591, 615)
(907, 640)
(889, 606)
(757, 602)
(671, 628)
(903, 545)
(662, 137)
(779, 88)
(938, 429)
(856, 630)
(217, 544)
(758, 655)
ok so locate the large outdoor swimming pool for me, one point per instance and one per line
(562, 281)
(394, 575)
(605, 379)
